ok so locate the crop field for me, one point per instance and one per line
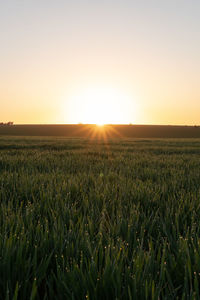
(111, 131)
(99, 219)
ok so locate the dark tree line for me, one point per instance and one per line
(6, 124)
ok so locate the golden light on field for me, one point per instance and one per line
(96, 105)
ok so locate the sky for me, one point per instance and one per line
(113, 61)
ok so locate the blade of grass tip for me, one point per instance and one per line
(153, 290)
(146, 290)
(196, 286)
(16, 291)
(34, 290)
(7, 293)
(129, 293)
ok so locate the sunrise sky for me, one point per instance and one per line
(113, 61)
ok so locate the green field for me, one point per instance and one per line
(110, 131)
(95, 219)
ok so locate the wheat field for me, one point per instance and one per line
(99, 219)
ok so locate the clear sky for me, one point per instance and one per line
(74, 61)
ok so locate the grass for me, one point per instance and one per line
(89, 219)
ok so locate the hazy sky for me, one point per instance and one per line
(52, 51)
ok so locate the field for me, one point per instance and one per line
(99, 219)
(111, 131)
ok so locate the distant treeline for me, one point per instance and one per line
(6, 124)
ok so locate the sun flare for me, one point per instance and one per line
(100, 124)
(101, 106)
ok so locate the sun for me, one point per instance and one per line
(100, 106)
(100, 124)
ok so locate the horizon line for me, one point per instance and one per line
(93, 124)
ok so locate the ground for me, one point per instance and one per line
(99, 219)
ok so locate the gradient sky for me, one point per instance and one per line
(51, 51)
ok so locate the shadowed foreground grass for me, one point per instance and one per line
(89, 219)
